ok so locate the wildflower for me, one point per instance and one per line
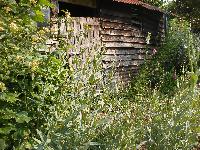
(35, 38)
(14, 27)
(198, 85)
(101, 103)
(154, 51)
(148, 38)
(41, 32)
(1, 26)
(18, 58)
(185, 46)
(1, 29)
(33, 65)
(2, 86)
(33, 1)
(7, 9)
(46, 30)
(174, 75)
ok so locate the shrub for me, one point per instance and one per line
(48, 101)
(166, 89)
(177, 56)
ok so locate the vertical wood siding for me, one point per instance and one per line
(85, 36)
(82, 33)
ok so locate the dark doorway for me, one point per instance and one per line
(77, 10)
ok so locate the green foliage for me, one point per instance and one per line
(188, 10)
(176, 57)
(157, 3)
(167, 90)
(19, 59)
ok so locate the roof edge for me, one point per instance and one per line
(140, 3)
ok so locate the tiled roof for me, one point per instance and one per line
(140, 3)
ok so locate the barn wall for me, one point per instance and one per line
(80, 32)
(124, 29)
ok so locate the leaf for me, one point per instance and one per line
(28, 145)
(7, 130)
(2, 144)
(48, 141)
(7, 114)
(9, 97)
(103, 121)
(40, 147)
(22, 117)
(39, 16)
(194, 79)
(94, 143)
(46, 3)
(40, 134)
(92, 79)
(36, 140)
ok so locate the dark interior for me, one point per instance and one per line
(77, 10)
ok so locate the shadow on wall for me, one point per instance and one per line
(77, 10)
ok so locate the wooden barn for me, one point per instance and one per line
(123, 27)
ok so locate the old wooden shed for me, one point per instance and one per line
(122, 26)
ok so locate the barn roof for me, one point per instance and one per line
(140, 3)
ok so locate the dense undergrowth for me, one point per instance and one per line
(54, 101)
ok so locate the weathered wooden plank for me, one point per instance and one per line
(125, 63)
(87, 20)
(126, 68)
(116, 58)
(122, 32)
(110, 23)
(123, 44)
(127, 74)
(124, 51)
(136, 23)
(128, 39)
(116, 25)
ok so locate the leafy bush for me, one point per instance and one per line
(20, 60)
(177, 56)
(167, 90)
(48, 101)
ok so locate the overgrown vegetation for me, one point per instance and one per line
(167, 89)
(54, 101)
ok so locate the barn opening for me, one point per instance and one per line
(78, 8)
